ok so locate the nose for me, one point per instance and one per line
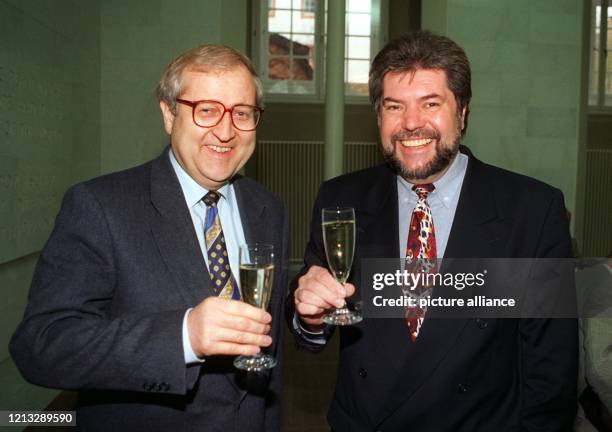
(224, 130)
(412, 119)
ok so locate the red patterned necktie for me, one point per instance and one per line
(420, 253)
(218, 260)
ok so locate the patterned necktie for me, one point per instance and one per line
(221, 276)
(420, 254)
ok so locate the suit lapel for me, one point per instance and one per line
(174, 234)
(478, 228)
(252, 212)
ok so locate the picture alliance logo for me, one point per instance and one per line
(412, 280)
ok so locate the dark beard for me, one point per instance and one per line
(442, 159)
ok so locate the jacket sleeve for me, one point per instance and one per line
(69, 337)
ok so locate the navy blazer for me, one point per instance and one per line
(107, 301)
(461, 374)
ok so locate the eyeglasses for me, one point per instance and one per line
(208, 113)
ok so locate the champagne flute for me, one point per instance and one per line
(338, 225)
(256, 274)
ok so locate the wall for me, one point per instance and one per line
(138, 39)
(526, 58)
(76, 100)
(50, 129)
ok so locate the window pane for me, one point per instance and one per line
(286, 68)
(358, 47)
(594, 60)
(301, 69)
(359, 6)
(303, 22)
(281, 4)
(292, 87)
(608, 94)
(303, 44)
(287, 44)
(594, 78)
(357, 71)
(278, 68)
(358, 24)
(279, 21)
(308, 6)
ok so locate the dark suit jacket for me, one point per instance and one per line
(107, 302)
(461, 374)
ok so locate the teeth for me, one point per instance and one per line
(219, 149)
(416, 143)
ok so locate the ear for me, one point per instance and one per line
(463, 117)
(167, 116)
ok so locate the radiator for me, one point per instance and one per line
(598, 204)
(293, 170)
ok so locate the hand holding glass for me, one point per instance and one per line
(338, 225)
(256, 274)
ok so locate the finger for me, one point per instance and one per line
(229, 348)
(241, 309)
(243, 338)
(305, 309)
(242, 323)
(324, 277)
(321, 287)
(350, 289)
(321, 298)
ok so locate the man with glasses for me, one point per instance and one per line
(135, 301)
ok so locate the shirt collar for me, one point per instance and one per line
(447, 186)
(192, 191)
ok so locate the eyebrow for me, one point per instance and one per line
(390, 99)
(431, 96)
(421, 98)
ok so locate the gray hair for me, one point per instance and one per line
(205, 58)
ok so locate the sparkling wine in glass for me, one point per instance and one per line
(256, 275)
(338, 225)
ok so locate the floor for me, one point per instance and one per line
(308, 388)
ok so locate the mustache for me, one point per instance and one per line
(416, 134)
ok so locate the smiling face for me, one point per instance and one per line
(211, 156)
(420, 127)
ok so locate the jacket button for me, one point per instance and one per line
(482, 324)
(462, 388)
(363, 373)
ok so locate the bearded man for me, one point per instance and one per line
(423, 374)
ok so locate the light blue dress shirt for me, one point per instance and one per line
(442, 200)
(230, 222)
